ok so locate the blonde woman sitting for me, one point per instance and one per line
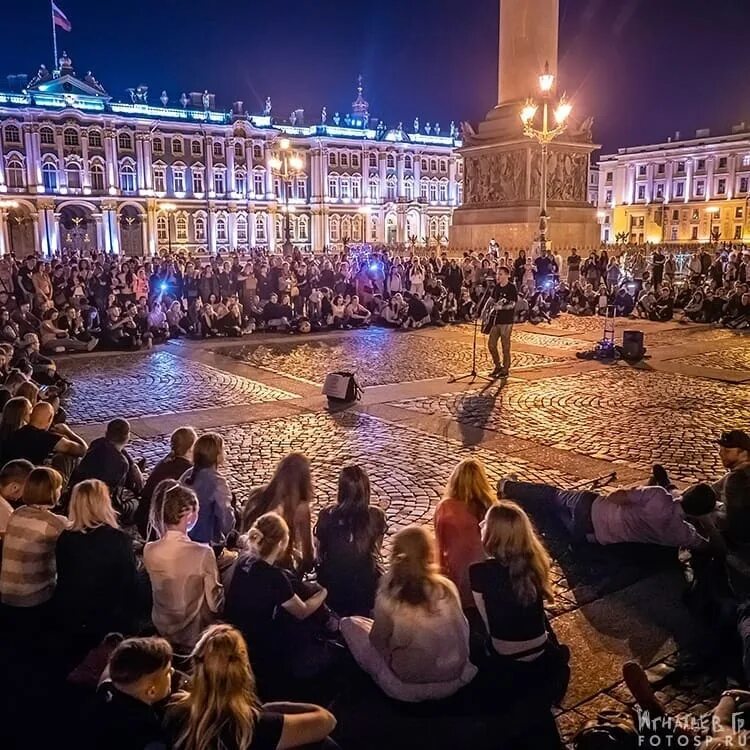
(417, 646)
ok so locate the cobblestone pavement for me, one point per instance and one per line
(136, 385)
(737, 358)
(379, 356)
(690, 334)
(620, 414)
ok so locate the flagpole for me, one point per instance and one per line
(54, 35)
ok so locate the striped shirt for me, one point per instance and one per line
(29, 572)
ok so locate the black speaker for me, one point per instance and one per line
(632, 345)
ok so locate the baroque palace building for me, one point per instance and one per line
(680, 191)
(79, 170)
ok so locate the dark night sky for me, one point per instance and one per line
(642, 68)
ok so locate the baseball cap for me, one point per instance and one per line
(735, 439)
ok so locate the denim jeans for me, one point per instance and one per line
(571, 507)
(500, 333)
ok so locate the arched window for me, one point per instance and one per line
(199, 224)
(279, 224)
(239, 152)
(332, 158)
(177, 145)
(346, 227)
(70, 137)
(344, 158)
(160, 178)
(162, 229)
(409, 189)
(158, 145)
(374, 190)
(357, 187)
(333, 186)
(241, 225)
(424, 164)
(424, 189)
(95, 138)
(127, 177)
(220, 180)
(444, 226)
(334, 228)
(49, 176)
(97, 176)
(434, 228)
(218, 149)
(408, 162)
(373, 159)
(47, 136)
(196, 147)
(178, 178)
(221, 229)
(391, 161)
(443, 165)
(259, 183)
(304, 228)
(390, 188)
(125, 141)
(346, 187)
(443, 190)
(12, 134)
(260, 228)
(373, 229)
(73, 175)
(240, 182)
(357, 228)
(197, 175)
(15, 174)
(181, 228)
(257, 153)
(433, 191)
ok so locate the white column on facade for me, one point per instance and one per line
(211, 226)
(139, 168)
(268, 153)
(33, 166)
(365, 179)
(731, 176)
(229, 151)
(688, 179)
(271, 231)
(232, 228)
(3, 185)
(452, 175)
(250, 174)
(323, 173)
(4, 233)
(99, 224)
(110, 157)
(382, 172)
(400, 175)
(709, 177)
(148, 170)
(252, 237)
(151, 228)
(649, 182)
(668, 181)
(51, 228)
(62, 175)
(85, 170)
(208, 146)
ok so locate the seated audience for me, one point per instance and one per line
(216, 512)
(29, 572)
(467, 498)
(96, 570)
(417, 646)
(172, 466)
(263, 605)
(187, 595)
(290, 494)
(128, 709)
(510, 588)
(220, 707)
(16, 414)
(349, 535)
(13, 477)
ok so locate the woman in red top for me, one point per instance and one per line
(457, 517)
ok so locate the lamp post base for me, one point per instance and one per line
(287, 248)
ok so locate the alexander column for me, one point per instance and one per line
(503, 168)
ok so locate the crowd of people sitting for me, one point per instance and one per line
(175, 616)
(69, 304)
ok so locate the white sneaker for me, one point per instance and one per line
(501, 484)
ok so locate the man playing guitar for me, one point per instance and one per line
(502, 306)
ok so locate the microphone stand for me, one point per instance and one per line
(474, 375)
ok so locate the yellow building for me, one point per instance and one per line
(680, 191)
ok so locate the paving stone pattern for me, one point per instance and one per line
(379, 357)
(137, 385)
(736, 358)
(619, 414)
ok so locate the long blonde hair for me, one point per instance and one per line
(91, 506)
(413, 576)
(469, 484)
(222, 695)
(509, 537)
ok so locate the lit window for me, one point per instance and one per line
(15, 174)
(220, 182)
(73, 174)
(356, 189)
(178, 180)
(160, 180)
(12, 134)
(176, 145)
(49, 176)
(97, 177)
(433, 191)
(721, 187)
(95, 138)
(334, 228)
(127, 178)
(162, 229)
(181, 228)
(198, 186)
(221, 229)
(47, 137)
(260, 228)
(200, 229)
(259, 184)
(333, 187)
(443, 191)
(302, 188)
(239, 183)
(304, 228)
(746, 160)
(70, 137)
(374, 190)
(241, 228)
(196, 148)
(345, 187)
(125, 142)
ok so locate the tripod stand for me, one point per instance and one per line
(474, 375)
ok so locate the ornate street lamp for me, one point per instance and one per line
(544, 137)
(169, 209)
(286, 167)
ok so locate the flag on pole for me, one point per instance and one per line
(59, 18)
